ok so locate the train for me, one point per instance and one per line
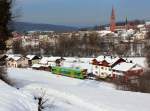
(69, 72)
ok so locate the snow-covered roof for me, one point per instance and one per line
(124, 66)
(71, 59)
(147, 23)
(30, 57)
(104, 32)
(14, 56)
(109, 59)
(85, 60)
(36, 65)
(141, 26)
(45, 60)
(137, 60)
(39, 65)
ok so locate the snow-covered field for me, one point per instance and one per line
(68, 94)
(13, 100)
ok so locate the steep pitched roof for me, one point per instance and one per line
(45, 60)
(31, 57)
(15, 57)
(124, 66)
(111, 60)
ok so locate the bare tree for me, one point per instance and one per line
(42, 99)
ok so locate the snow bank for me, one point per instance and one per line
(13, 100)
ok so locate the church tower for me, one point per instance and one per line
(113, 21)
(126, 24)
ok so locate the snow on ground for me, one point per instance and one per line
(12, 99)
(68, 94)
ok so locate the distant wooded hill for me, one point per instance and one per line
(26, 26)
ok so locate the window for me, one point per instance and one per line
(78, 73)
(109, 69)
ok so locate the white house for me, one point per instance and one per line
(17, 61)
(101, 69)
(102, 65)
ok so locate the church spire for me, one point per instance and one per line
(126, 23)
(113, 20)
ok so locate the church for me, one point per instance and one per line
(114, 26)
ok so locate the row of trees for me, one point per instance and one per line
(66, 46)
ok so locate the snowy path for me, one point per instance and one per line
(68, 94)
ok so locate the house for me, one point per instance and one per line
(49, 61)
(127, 71)
(102, 65)
(111, 60)
(101, 69)
(60, 61)
(41, 67)
(33, 59)
(16, 61)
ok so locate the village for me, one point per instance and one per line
(74, 55)
(114, 52)
(126, 38)
(102, 67)
(130, 37)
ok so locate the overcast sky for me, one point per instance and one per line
(81, 12)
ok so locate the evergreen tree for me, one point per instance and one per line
(5, 19)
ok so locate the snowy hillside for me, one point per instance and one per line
(13, 100)
(68, 94)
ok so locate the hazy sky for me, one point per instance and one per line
(81, 12)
